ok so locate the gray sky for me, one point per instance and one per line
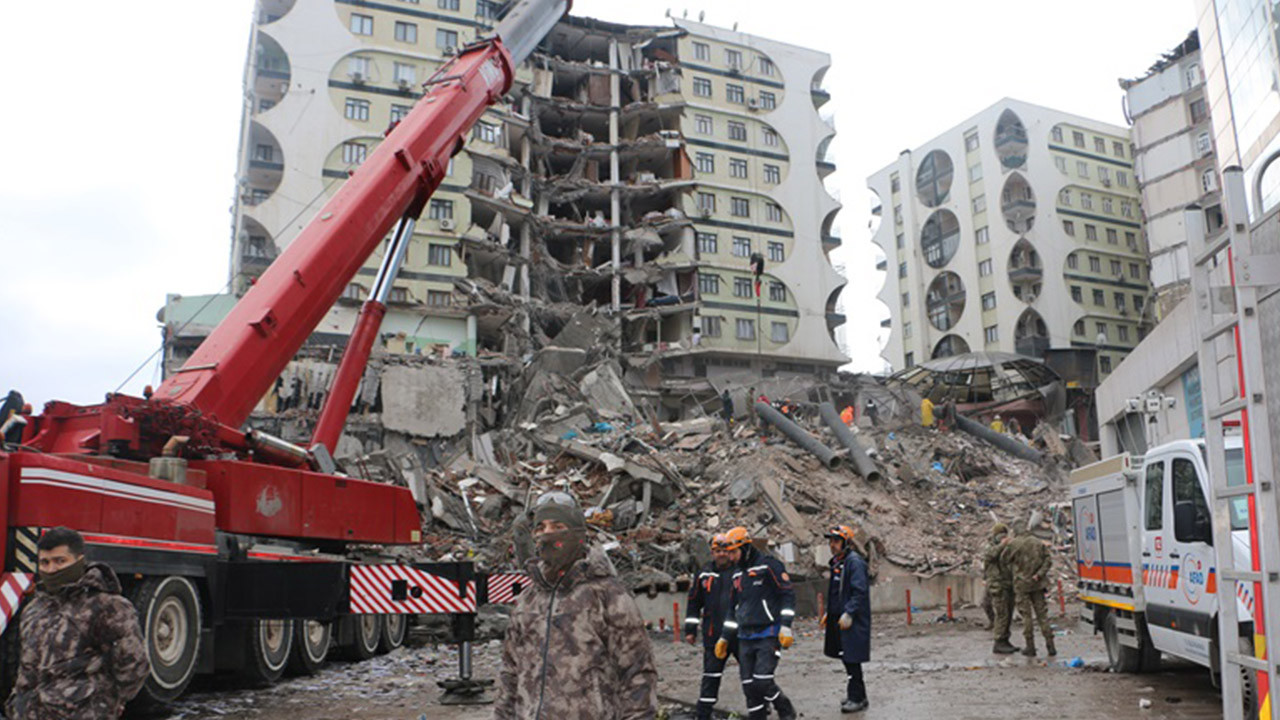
(122, 141)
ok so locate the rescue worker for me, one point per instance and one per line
(761, 608)
(849, 637)
(83, 656)
(926, 413)
(1030, 562)
(576, 648)
(846, 415)
(707, 605)
(871, 411)
(998, 574)
(997, 425)
(726, 405)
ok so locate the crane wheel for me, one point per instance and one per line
(169, 612)
(311, 640)
(267, 646)
(395, 628)
(363, 634)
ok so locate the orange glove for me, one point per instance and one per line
(722, 649)
(785, 638)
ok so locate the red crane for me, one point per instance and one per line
(233, 534)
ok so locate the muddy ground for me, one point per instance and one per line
(928, 669)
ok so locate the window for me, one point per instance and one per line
(485, 132)
(777, 292)
(353, 291)
(1090, 232)
(975, 172)
(909, 360)
(737, 131)
(1135, 272)
(1131, 239)
(1126, 208)
(440, 210)
(897, 214)
(1186, 489)
(766, 66)
(265, 104)
(701, 51)
(362, 24)
(705, 125)
(1077, 139)
(1107, 206)
(1153, 504)
(1115, 268)
(1086, 200)
(1138, 303)
(1209, 180)
(984, 268)
(1078, 328)
(901, 240)
(1056, 134)
(777, 252)
(358, 66)
(1118, 300)
(356, 109)
(733, 58)
(1104, 174)
(773, 212)
(739, 207)
(902, 270)
(1100, 299)
(1113, 237)
(735, 94)
(981, 236)
(1117, 148)
(702, 87)
(1198, 111)
(772, 174)
(906, 331)
(405, 73)
(906, 299)
(1122, 178)
(1192, 73)
(894, 183)
(487, 9)
(1078, 295)
(1069, 227)
(398, 295)
(707, 202)
(439, 298)
(770, 137)
(1095, 264)
(989, 301)
(971, 142)
(447, 4)
(742, 287)
(258, 196)
(705, 162)
(1082, 168)
(353, 153)
(441, 255)
(1100, 145)
(407, 32)
(746, 329)
(737, 167)
(711, 326)
(708, 284)
(264, 152)
(778, 332)
(741, 247)
(1073, 261)
(991, 334)
(446, 38)
(1122, 332)
(980, 204)
(1064, 196)
(768, 100)
(1204, 145)
(708, 243)
(1102, 331)
(1104, 364)
(1060, 163)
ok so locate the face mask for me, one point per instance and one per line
(559, 550)
(59, 579)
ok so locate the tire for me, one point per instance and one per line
(169, 612)
(1248, 683)
(395, 628)
(267, 646)
(365, 632)
(311, 639)
(1121, 658)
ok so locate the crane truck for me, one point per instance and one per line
(240, 550)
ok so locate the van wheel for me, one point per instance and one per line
(1121, 658)
(310, 646)
(1248, 683)
(394, 630)
(365, 633)
(169, 612)
(267, 648)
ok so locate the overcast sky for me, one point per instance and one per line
(122, 129)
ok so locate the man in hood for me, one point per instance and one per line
(577, 647)
(83, 656)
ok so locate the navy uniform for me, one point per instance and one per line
(849, 637)
(762, 603)
(707, 606)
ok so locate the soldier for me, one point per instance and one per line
(708, 604)
(761, 608)
(998, 574)
(83, 656)
(576, 648)
(849, 638)
(1031, 562)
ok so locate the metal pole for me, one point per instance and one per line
(861, 463)
(464, 660)
(798, 435)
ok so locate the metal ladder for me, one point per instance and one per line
(1229, 314)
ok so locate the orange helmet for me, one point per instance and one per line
(720, 542)
(840, 532)
(736, 538)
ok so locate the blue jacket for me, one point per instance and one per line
(708, 603)
(762, 599)
(848, 593)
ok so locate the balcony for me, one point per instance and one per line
(825, 168)
(831, 242)
(1026, 273)
(820, 96)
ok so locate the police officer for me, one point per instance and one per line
(849, 637)
(997, 572)
(761, 608)
(707, 605)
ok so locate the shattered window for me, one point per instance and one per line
(746, 329)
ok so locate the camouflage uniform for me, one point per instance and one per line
(1031, 562)
(999, 579)
(577, 650)
(83, 656)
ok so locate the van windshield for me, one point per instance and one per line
(1236, 476)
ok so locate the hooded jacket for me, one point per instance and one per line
(708, 603)
(848, 592)
(83, 656)
(577, 649)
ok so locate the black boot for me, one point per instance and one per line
(850, 706)
(1049, 648)
(1003, 647)
(786, 711)
(1029, 650)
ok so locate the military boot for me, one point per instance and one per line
(1004, 647)
(786, 711)
(1030, 649)
(852, 706)
(1049, 648)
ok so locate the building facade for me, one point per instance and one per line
(1018, 230)
(635, 169)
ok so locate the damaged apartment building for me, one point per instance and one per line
(667, 180)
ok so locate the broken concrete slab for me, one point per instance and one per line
(426, 401)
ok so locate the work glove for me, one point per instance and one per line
(822, 621)
(722, 649)
(785, 638)
(690, 638)
(846, 621)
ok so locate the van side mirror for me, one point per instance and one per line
(1191, 525)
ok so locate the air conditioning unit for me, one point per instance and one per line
(451, 50)
(357, 78)
(1124, 312)
(404, 83)
(704, 212)
(447, 224)
(1106, 182)
(753, 104)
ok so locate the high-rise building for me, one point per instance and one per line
(1018, 230)
(640, 170)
